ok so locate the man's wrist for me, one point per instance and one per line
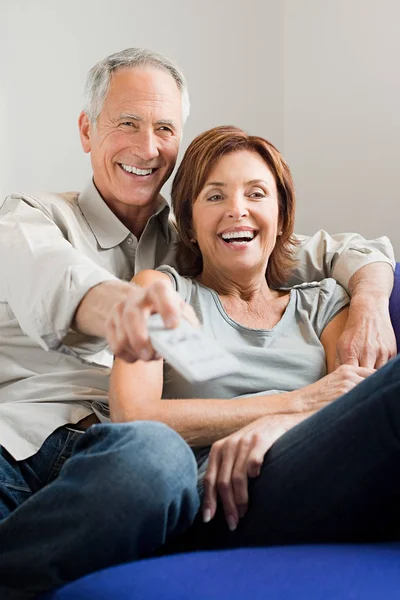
(365, 298)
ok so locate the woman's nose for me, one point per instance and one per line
(237, 207)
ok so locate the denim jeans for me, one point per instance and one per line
(333, 478)
(90, 500)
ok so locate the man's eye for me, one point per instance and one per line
(128, 124)
(165, 128)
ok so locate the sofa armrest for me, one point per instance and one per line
(394, 305)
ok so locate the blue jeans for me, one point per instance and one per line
(89, 500)
(333, 478)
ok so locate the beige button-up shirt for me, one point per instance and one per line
(53, 249)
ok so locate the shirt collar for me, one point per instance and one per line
(105, 225)
(163, 214)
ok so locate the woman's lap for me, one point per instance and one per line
(333, 478)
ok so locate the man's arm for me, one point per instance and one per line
(368, 338)
(118, 311)
(338, 256)
(365, 269)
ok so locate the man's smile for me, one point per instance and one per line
(131, 170)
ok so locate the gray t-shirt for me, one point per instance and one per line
(285, 358)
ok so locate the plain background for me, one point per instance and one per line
(318, 78)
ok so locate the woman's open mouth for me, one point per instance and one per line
(238, 238)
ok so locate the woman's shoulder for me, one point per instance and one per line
(183, 285)
(323, 287)
(321, 300)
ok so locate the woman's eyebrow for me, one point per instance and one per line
(218, 183)
(254, 181)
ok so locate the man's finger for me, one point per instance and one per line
(368, 358)
(345, 357)
(381, 359)
(161, 298)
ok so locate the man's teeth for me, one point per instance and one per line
(248, 235)
(136, 171)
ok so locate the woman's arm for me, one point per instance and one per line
(330, 336)
(136, 394)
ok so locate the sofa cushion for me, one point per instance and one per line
(331, 572)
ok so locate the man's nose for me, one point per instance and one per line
(237, 206)
(146, 146)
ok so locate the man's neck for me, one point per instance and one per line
(133, 217)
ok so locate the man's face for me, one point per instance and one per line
(135, 141)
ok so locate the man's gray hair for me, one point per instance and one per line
(99, 77)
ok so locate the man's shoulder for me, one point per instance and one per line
(46, 200)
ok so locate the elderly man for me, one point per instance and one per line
(78, 494)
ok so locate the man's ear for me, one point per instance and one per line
(84, 131)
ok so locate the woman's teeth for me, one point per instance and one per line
(238, 237)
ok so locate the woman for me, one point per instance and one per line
(234, 202)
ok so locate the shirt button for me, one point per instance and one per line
(129, 240)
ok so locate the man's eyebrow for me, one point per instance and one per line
(166, 122)
(124, 116)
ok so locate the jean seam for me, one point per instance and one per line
(17, 488)
(62, 456)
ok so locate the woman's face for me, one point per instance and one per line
(235, 216)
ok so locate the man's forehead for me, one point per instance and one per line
(146, 88)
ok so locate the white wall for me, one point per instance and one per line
(319, 78)
(53, 44)
(342, 114)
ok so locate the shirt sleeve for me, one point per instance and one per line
(42, 276)
(338, 256)
(322, 302)
(183, 285)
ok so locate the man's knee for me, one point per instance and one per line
(143, 462)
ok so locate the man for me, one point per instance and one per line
(75, 497)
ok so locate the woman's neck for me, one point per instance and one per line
(244, 286)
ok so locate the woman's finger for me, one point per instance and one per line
(210, 485)
(224, 482)
(239, 476)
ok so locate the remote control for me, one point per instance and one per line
(189, 351)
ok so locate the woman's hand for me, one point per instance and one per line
(235, 458)
(329, 388)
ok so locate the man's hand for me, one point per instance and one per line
(368, 339)
(126, 328)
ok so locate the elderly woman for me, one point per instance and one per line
(234, 202)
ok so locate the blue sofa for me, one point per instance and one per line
(314, 572)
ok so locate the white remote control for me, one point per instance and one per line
(189, 351)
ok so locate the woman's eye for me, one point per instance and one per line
(257, 195)
(214, 198)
